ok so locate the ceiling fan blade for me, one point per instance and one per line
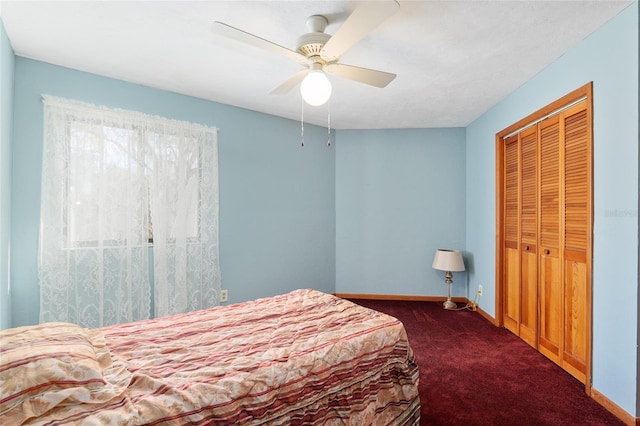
(361, 22)
(363, 75)
(253, 40)
(292, 82)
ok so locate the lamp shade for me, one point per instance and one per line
(315, 88)
(448, 260)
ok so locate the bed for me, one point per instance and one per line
(300, 358)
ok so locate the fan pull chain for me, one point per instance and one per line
(329, 123)
(301, 122)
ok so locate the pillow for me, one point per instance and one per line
(53, 364)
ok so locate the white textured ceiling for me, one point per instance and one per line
(454, 59)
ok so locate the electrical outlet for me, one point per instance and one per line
(480, 290)
(224, 295)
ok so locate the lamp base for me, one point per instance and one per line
(449, 304)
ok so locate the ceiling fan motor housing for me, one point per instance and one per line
(311, 43)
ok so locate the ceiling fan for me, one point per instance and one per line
(320, 53)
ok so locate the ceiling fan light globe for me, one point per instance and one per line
(315, 88)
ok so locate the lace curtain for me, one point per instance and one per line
(184, 212)
(113, 182)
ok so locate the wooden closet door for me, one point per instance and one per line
(511, 270)
(529, 235)
(550, 275)
(577, 240)
(545, 224)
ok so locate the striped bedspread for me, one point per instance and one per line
(301, 358)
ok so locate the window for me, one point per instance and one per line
(112, 182)
(100, 161)
(107, 157)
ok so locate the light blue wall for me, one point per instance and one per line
(7, 60)
(609, 58)
(400, 195)
(277, 220)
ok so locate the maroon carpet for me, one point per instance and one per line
(474, 373)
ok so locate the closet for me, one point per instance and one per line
(544, 245)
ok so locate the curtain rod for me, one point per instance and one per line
(551, 114)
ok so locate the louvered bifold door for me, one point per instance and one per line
(528, 235)
(545, 224)
(511, 232)
(550, 272)
(576, 241)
